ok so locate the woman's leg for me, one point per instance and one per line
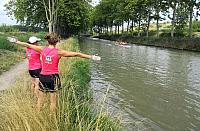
(33, 85)
(40, 100)
(36, 91)
(53, 101)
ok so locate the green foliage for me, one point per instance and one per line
(139, 14)
(196, 26)
(72, 18)
(5, 28)
(29, 12)
(4, 44)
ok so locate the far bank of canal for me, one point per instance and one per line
(161, 87)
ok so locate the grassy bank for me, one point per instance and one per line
(182, 43)
(11, 54)
(74, 112)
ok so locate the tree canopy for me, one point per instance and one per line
(114, 13)
(64, 16)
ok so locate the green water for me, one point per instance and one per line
(159, 87)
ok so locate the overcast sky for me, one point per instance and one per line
(95, 2)
(4, 19)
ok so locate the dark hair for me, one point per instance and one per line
(33, 43)
(52, 38)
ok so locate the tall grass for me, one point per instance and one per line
(74, 112)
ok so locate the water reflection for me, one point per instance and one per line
(160, 85)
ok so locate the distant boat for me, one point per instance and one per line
(122, 44)
(127, 46)
(95, 38)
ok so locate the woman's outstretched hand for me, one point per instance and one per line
(12, 39)
(97, 58)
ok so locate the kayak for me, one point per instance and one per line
(123, 45)
(127, 46)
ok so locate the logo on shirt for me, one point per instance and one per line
(48, 59)
(29, 54)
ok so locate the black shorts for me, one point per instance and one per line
(35, 73)
(49, 83)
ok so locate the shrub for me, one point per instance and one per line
(196, 26)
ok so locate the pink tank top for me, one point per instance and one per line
(50, 60)
(33, 59)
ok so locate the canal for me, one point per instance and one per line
(152, 88)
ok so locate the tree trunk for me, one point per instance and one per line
(51, 10)
(148, 24)
(139, 26)
(190, 22)
(122, 27)
(118, 29)
(132, 24)
(50, 27)
(128, 26)
(157, 24)
(53, 16)
(111, 31)
(173, 21)
(115, 29)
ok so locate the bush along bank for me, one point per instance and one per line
(74, 110)
(182, 43)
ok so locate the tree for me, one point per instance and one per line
(28, 12)
(51, 10)
(159, 6)
(191, 4)
(173, 5)
(73, 15)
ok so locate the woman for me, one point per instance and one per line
(49, 77)
(34, 65)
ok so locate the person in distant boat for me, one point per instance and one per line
(49, 76)
(123, 42)
(118, 42)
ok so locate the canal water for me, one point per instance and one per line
(149, 88)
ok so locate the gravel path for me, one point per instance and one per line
(8, 78)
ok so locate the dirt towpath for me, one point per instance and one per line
(8, 78)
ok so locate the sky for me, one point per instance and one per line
(95, 2)
(4, 19)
